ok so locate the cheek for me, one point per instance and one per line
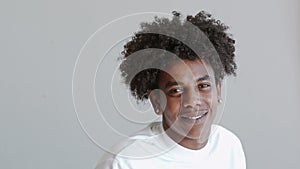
(213, 101)
(173, 106)
(211, 96)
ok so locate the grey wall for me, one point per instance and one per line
(40, 41)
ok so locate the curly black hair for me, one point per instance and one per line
(222, 61)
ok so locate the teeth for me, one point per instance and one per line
(194, 117)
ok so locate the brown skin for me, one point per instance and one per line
(190, 89)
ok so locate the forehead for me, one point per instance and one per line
(187, 70)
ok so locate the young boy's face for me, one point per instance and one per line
(191, 98)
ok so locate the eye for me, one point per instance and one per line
(204, 86)
(175, 91)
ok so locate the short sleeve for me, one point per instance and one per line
(239, 155)
(108, 164)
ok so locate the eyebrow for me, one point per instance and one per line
(174, 83)
(206, 77)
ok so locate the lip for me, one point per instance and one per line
(194, 115)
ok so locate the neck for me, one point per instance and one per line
(185, 141)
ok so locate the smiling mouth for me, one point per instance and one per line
(194, 116)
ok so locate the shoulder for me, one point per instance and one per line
(228, 146)
(138, 146)
(222, 139)
(222, 134)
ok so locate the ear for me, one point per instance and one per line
(155, 101)
(219, 91)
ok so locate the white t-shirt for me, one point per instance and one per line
(152, 148)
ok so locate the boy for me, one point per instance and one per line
(180, 71)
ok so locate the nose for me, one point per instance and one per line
(191, 98)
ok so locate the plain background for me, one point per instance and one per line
(40, 41)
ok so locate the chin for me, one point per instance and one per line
(199, 133)
(201, 137)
